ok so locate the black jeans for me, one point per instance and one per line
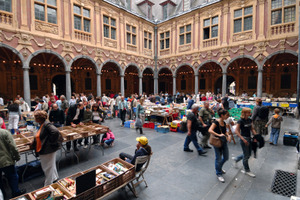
(123, 115)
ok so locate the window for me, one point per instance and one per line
(131, 34)
(5, 5)
(82, 18)
(210, 29)
(109, 27)
(185, 34)
(147, 40)
(165, 40)
(165, 11)
(46, 10)
(243, 19)
(283, 11)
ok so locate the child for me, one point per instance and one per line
(108, 138)
(276, 123)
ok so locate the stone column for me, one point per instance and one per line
(224, 84)
(196, 84)
(68, 85)
(140, 85)
(174, 85)
(155, 76)
(259, 82)
(99, 85)
(122, 85)
(26, 84)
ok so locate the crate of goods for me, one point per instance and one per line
(127, 124)
(27, 196)
(163, 129)
(54, 191)
(290, 138)
(132, 124)
(125, 170)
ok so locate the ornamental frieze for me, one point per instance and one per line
(185, 48)
(242, 36)
(46, 27)
(147, 52)
(110, 43)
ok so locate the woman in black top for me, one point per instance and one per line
(218, 128)
(243, 130)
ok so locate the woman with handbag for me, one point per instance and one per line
(243, 130)
(218, 130)
(46, 142)
(140, 115)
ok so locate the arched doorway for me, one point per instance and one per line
(185, 79)
(245, 71)
(148, 81)
(165, 81)
(131, 80)
(84, 74)
(210, 78)
(280, 76)
(110, 79)
(11, 76)
(43, 67)
(59, 85)
(230, 86)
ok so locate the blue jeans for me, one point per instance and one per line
(222, 155)
(192, 138)
(109, 141)
(246, 153)
(13, 178)
(274, 135)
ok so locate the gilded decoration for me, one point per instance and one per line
(184, 48)
(46, 27)
(242, 36)
(110, 43)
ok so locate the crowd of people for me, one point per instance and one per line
(51, 112)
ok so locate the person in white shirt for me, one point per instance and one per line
(24, 106)
(1, 101)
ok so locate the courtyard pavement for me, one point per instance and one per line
(175, 175)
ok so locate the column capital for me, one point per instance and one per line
(26, 68)
(140, 76)
(99, 74)
(224, 73)
(174, 76)
(260, 70)
(68, 71)
(122, 75)
(196, 74)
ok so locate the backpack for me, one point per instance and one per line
(263, 112)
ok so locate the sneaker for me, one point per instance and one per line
(221, 179)
(188, 150)
(85, 146)
(206, 147)
(248, 173)
(223, 171)
(234, 162)
(202, 152)
(271, 143)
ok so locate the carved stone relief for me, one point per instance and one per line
(45, 27)
(242, 36)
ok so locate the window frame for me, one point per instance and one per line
(184, 34)
(131, 34)
(282, 10)
(110, 27)
(82, 18)
(10, 7)
(211, 26)
(148, 40)
(46, 6)
(164, 40)
(242, 18)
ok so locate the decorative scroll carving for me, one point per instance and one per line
(110, 43)
(242, 36)
(185, 48)
(46, 27)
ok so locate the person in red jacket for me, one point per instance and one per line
(2, 123)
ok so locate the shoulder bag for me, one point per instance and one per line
(214, 140)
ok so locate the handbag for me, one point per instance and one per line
(138, 123)
(214, 140)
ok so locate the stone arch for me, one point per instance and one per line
(240, 57)
(14, 51)
(209, 61)
(276, 53)
(50, 52)
(165, 67)
(85, 57)
(112, 61)
(184, 64)
(135, 65)
(147, 67)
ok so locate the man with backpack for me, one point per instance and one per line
(260, 118)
